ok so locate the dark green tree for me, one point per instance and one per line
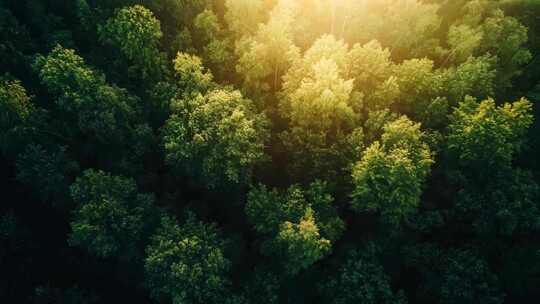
(111, 218)
(362, 279)
(186, 264)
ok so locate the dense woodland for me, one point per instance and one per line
(270, 151)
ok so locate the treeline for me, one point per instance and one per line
(270, 151)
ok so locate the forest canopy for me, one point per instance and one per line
(270, 151)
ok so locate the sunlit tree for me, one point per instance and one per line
(243, 16)
(266, 55)
(190, 75)
(15, 108)
(389, 177)
(216, 137)
(485, 136)
(318, 105)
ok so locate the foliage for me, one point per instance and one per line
(15, 109)
(190, 75)
(47, 171)
(266, 56)
(362, 279)
(186, 264)
(468, 279)
(301, 129)
(97, 109)
(216, 137)
(301, 243)
(301, 223)
(485, 136)
(111, 218)
(136, 33)
(389, 178)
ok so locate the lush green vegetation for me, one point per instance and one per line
(270, 151)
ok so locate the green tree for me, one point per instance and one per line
(268, 54)
(372, 70)
(317, 103)
(468, 279)
(190, 75)
(46, 171)
(419, 84)
(507, 205)
(475, 77)
(464, 41)
(362, 279)
(136, 33)
(15, 109)
(390, 176)
(186, 264)
(243, 16)
(505, 37)
(216, 48)
(83, 98)
(299, 225)
(111, 218)
(301, 243)
(411, 34)
(484, 137)
(216, 138)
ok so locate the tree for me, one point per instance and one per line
(299, 225)
(485, 136)
(468, 279)
(318, 106)
(191, 77)
(505, 38)
(216, 138)
(243, 16)
(326, 48)
(301, 243)
(411, 34)
(390, 176)
(136, 33)
(464, 42)
(506, 204)
(104, 113)
(371, 68)
(262, 286)
(186, 264)
(216, 48)
(111, 218)
(475, 77)
(361, 279)
(15, 109)
(47, 172)
(266, 56)
(419, 85)
(322, 101)
(15, 42)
